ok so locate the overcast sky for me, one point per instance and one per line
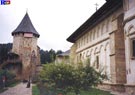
(55, 20)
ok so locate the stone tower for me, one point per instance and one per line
(25, 44)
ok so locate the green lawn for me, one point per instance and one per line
(35, 90)
(93, 91)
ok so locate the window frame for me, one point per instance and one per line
(132, 48)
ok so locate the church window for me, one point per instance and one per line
(102, 31)
(131, 4)
(80, 43)
(107, 25)
(98, 32)
(82, 40)
(87, 37)
(129, 71)
(93, 34)
(133, 48)
(80, 56)
(104, 28)
(90, 36)
(84, 55)
(87, 54)
(125, 3)
(97, 62)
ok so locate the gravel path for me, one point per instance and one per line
(19, 89)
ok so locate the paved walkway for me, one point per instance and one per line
(19, 89)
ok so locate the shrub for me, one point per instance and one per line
(67, 77)
(10, 78)
(35, 90)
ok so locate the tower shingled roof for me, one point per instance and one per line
(26, 26)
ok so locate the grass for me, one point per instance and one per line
(92, 91)
(35, 90)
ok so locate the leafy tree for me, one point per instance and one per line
(52, 55)
(10, 77)
(47, 56)
(4, 49)
(67, 77)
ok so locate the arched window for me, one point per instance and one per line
(107, 25)
(102, 26)
(87, 37)
(91, 36)
(110, 25)
(95, 33)
(98, 31)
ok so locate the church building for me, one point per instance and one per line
(107, 39)
(25, 39)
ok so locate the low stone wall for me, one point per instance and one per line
(118, 87)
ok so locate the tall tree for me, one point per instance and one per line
(4, 49)
(59, 52)
(47, 56)
(52, 55)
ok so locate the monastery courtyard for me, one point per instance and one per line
(21, 89)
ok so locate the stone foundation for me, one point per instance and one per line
(130, 89)
(112, 87)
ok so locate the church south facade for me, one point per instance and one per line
(107, 39)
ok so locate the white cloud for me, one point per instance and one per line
(55, 20)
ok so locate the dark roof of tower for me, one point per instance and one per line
(26, 26)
